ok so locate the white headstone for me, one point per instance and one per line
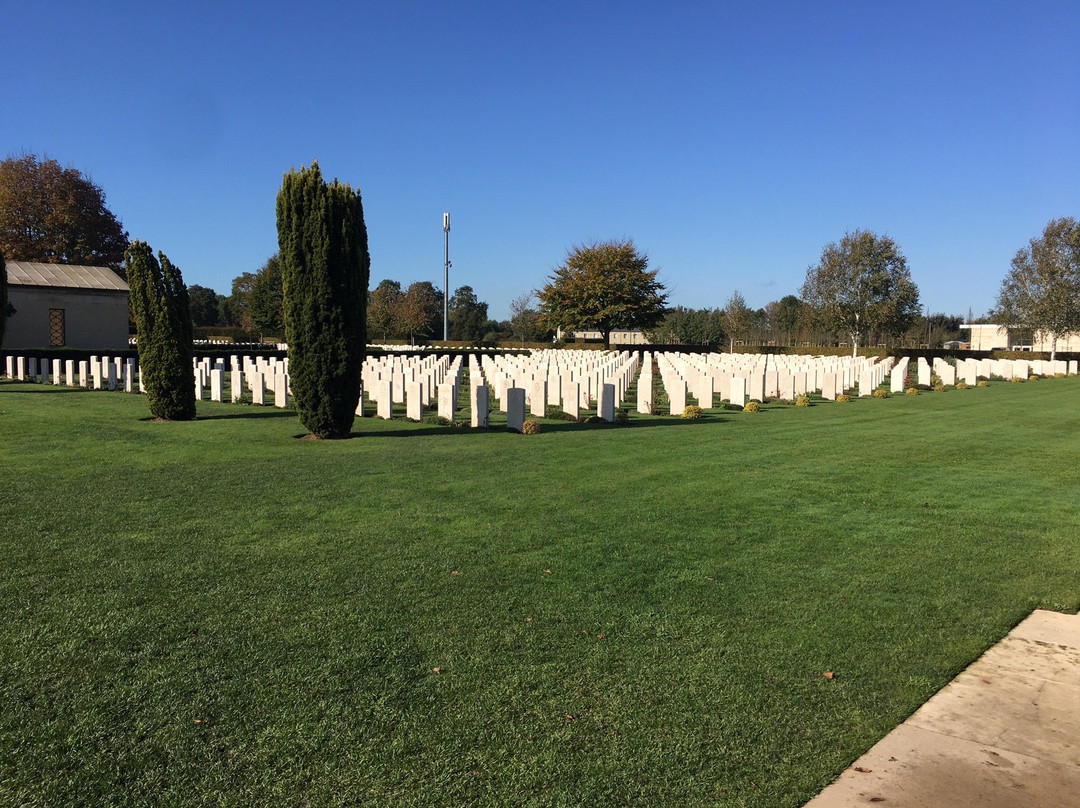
(414, 406)
(447, 400)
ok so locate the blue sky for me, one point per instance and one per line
(730, 140)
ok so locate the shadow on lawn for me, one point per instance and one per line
(545, 427)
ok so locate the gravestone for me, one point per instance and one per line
(384, 403)
(676, 390)
(84, 371)
(111, 376)
(645, 394)
(217, 384)
(69, 372)
(236, 383)
(515, 408)
(605, 405)
(281, 390)
(737, 391)
(571, 403)
(447, 400)
(414, 406)
(538, 398)
(198, 386)
(480, 405)
(56, 371)
(258, 388)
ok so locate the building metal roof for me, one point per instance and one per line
(68, 276)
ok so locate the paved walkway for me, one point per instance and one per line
(1005, 733)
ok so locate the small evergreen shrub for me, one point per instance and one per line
(961, 385)
(691, 411)
(1017, 379)
(622, 417)
(939, 388)
(982, 383)
(880, 394)
(843, 398)
(802, 401)
(1034, 377)
(555, 414)
(911, 391)
(751, 406)
(1059, 375)
(437, 419)
(530, 427)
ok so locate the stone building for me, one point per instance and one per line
(66, 306)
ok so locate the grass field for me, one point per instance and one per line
(216, 613)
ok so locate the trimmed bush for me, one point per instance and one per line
(961, 385)
(692, 411)
(880, 394)
(162, 312)
(911, 391)
(982, 383)
(1017, 379)
(530, 427)
(324, 273)
(843, 398)
(939, 388)
(802, 401)
(622, 417)
(751, 406)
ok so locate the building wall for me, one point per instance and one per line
(92, 319)
(985, 337)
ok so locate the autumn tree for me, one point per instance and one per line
(159, 303)
(384, 310)
(3, 298)
(736, 318)
(524, 317)
(420, 311)
(55, 215)
(603, 287)
(862, 285)
(324, 268)
(1042, 290)
(468, 314)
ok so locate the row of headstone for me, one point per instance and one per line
(736, 378)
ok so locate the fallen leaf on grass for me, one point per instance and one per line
(601, 636)
(528, 619)
(436, 670)
(547, 572)
(830, 675)
(453, 572)
(569, 718)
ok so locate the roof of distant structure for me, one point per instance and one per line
(66, 276)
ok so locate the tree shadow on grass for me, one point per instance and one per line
(427, 430)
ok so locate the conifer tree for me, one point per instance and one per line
(159, 302)
(324, 272)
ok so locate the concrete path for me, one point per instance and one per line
(1005, 733)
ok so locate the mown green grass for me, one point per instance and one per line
(218, 613)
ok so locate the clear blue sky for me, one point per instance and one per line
(730, 140)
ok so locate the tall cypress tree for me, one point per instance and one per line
(159, 301)
(324, 273)
(3, 298)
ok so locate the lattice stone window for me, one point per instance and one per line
(57, 335)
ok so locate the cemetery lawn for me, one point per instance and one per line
(216, 613)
